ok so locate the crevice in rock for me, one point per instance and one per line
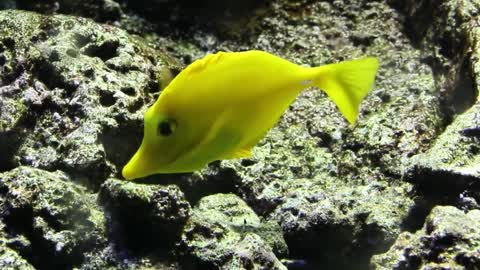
(48, 74)
(19, 221)
(9, 144)
(113, 140)
(305, 246)
(139, 217)
(427, 24)
(105, 51)
(436, 188)
(10, 141)
(130, 91)
(464, 95)
(9, 73)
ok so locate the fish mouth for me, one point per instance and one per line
(128, 173)
(139, 165)
(145, 163)
(132, 170)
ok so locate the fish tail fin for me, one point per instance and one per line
(346, 83)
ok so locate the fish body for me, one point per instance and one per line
(220, 106)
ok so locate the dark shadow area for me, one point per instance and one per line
(114, 141)
(9, 144)
(464, 95)
(135, 228)
(195, 187)
(40, 252)
(104, 51)
(315, 248)
(47, 73)
(107, 99)
(96, 9)
(226, 18)
(436, 188)
(205, 11)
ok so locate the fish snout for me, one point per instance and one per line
(138, 166)
(129, 172)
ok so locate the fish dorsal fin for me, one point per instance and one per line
(240, 153)
(203, 63)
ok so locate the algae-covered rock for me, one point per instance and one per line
(452, 164)
(99, 10)
(449, 239)
(73, 92)
(9, 258)
(448, 172)
(448, 31)
(144, 216)
(224, 233)
(72, 95)
(51, 222)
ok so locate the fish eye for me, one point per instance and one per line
(166, 127)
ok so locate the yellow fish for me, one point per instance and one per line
(220, 106)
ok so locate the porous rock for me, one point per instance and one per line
(72, 92)
(224, 233)
(449, 239)
(155, 214)
(50, 221)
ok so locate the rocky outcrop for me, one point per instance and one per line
(449, 239)
(72, 97)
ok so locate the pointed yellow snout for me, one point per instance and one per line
(140, 165)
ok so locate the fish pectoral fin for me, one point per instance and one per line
(240, 153)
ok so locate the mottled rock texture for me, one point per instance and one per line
(450, 239)
(224, 233)
(155, 214)
(70, 90)
(49, 220)
(72, 96)
(452, 163)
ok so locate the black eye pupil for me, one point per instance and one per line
(164, 128)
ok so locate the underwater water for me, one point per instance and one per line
(398, 189)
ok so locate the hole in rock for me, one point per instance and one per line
(107, 50)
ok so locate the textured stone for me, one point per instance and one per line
(155, 214)
(72, 91)
(450, 239)
(50, 221)
(224, 233)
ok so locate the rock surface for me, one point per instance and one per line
(70, 90)
(317, 193)
(155, 214)
(9, 258)
(224, 233)
(49, 220)
(452, 164)
(450, 239)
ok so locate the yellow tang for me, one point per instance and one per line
(220, 106)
